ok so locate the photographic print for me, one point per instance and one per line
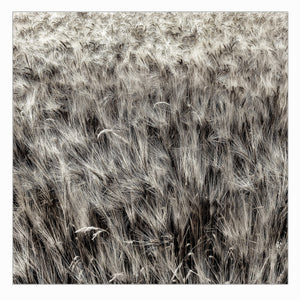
(150, 147)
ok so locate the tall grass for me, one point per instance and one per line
(150, 148)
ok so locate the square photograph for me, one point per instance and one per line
(150, 147)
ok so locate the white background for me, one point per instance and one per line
(253, 292)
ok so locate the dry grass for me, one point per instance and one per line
(150, 148)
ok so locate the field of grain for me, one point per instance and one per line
(150, 148)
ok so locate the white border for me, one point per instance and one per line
(146, 291)
(153, 5)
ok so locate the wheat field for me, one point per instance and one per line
(150, 148)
